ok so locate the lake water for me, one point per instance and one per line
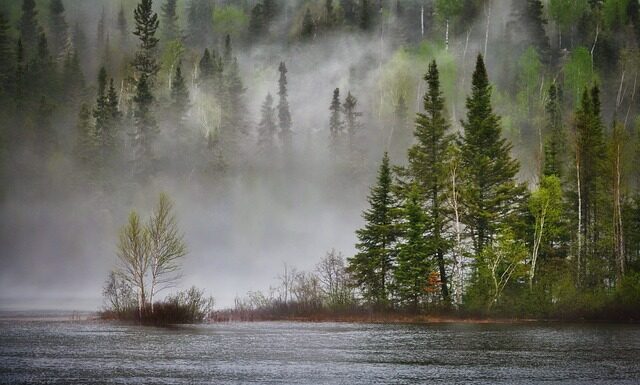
(45, 351)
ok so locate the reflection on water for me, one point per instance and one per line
(92, 352)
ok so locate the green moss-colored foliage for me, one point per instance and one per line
(229, 19)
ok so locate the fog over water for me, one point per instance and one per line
(268, 207)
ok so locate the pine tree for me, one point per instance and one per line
(270, 10)
(531, 20)
(200, 23)
(349, 11)
(413, 262)
(80, 45)
(330, 16)
(106, 116)
(308, 26)
(170, 30)
(20, 81)
(351, 117)
(365, 15)
(555, 145)
(101, 34)
(146, 128)
(228, 50)
(28, 25)
(179, 95)
(233, 101)
(206, 67)
(489, 193)
(6, 56)
(267, 128)
(427, 168)
(371, 267)
(86, 142)
(591, 158)
(335, 120)
(58, 26)
(122, 26)
(256, 22)
(146, 25)
(284, 116)
(400, 137)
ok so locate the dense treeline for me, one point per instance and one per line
(524, 199)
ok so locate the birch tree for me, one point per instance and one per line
(133, 253)
(166, 247)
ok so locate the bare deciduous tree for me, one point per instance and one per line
(133, 253)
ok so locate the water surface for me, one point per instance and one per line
(43, 351)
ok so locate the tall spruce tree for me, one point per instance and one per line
(490, 194)
(28, 25)
(170, 29)
(555, 144)
(351, 117)
(86, 142)
(106, 116)
(179, 95)
(284, 116)
(267, 128)
(122, 26)
(427, 168)
(308, 25)
(530, 16)
(6, 54)
(146, 20)
(146, 128)
(414, 262)
(371, 267)
(58, 27)
(200, 23)
(233, 102)
(365, 15)
(335, 120)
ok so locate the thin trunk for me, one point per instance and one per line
(536, 244)
(446, 37)
(579, 217)
(618, 229)
(422, 20)
(593, 47)
(486, 35)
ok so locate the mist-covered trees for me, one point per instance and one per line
(284, 116)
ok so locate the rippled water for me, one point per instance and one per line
(92, 352)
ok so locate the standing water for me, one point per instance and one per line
(93, 352)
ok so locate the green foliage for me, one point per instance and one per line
(267, 128)
(529, 78)
(371, 266)
(567, 12)
(229, 19)
(615, 13)
(489, 193)
(578, 73)
(284, 116)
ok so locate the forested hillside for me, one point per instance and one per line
(501, 141)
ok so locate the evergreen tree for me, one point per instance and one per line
(106, 116)
(206, 66)
(21, 81)
(72, 77)
(80, 45)
(349, 11)
(228, 50)
(531, 20)
(86, 143)
(122, 26)
(307, 25)
(200, 23)
(28, 25)
(233, 103)
(267, 128)
(555, 145)
(591, 154)
(58, 26)
(365, 15)
(284, 116)
(351, 117)
(335, 120)
(6, 56)
(146, 128)
(427, 168)
(489, 193)
(170, 30)
(413, 263)
(101, 34)
(256, 22)
(400, 137)
(146, 25)
(46, 140)
(372, 265)
(330, 16)
(179, 95)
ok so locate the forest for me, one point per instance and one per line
(491, 146)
